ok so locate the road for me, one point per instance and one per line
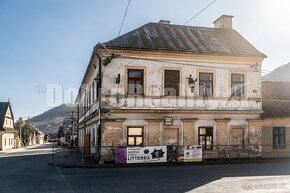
(29, 173)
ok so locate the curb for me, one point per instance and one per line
(173, 164)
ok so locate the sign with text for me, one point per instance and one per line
(149, 154)
(193, 154)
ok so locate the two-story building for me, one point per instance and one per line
(7, 132)
(166, 84)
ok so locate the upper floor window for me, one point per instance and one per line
(205, 84)
(171, 82)
(135, 82)
(279, 138)
(237, 81)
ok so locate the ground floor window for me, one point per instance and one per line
(135, 136)
(279, 138)
(205, 137)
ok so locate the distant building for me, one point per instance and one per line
(165, 84)
(8, 134)
(276, 119)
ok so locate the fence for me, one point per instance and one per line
(107, 154)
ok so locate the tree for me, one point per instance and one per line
(60, 132)
(26, 130)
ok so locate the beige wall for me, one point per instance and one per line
(267, 132)
(189, 133)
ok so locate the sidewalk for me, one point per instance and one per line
(21, 149)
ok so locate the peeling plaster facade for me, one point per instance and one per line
(232, 120)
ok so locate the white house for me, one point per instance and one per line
(172, 84)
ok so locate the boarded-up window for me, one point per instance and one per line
(171, 82)
(237, 138)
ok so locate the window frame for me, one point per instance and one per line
(179, 82)
(204, 147)
(200, 81)
(135, 136)
(142, 80)
(236, 82)
(279, 134)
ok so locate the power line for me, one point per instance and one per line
(200, 12)
(193, 17)
(124, 17)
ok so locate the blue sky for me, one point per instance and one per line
(44, 42)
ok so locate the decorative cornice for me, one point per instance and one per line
(222, 120)
(189, 119)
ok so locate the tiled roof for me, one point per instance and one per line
(3, 110)
(199, 40)
(276, 99)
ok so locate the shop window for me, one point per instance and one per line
(237, 81)
(135, 136)
(279, 138)
(136, 82)
(205, 137)
(205, 84)
(171, 82)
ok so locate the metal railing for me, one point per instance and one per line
(107, 154)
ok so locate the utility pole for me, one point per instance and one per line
(20, 123)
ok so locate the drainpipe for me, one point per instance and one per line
(100, 109)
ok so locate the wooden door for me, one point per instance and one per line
(87, 144)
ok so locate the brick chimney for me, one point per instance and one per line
(224, 21)
(162, 21)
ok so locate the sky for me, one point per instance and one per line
(47, 44)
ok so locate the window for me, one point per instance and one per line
(135, 136)
(279, 139)
(205, 84)
(135, 82)
(237, 85)
(205, 137)
(171, 82)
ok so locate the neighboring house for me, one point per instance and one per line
(276, 119)
(7, 132)
(40, 137)
(168, 84)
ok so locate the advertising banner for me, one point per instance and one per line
(193, 154)
(149, 154)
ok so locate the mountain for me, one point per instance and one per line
(49, 121)
(280, 74)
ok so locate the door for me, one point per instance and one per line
(87, 145)
(171, 136)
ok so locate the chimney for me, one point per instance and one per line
(164, 21)
(224, 21)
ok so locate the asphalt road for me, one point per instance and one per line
(31, 173)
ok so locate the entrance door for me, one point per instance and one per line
(87, 145)
(171, 136)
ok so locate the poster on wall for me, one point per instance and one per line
(149, 154)
(193, 154)
(174, 153)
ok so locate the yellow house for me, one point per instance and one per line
(7, 132)
(276, 119)
(165, 84)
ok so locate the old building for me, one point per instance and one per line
(172, 84)
(7, 132)
(276, 119)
